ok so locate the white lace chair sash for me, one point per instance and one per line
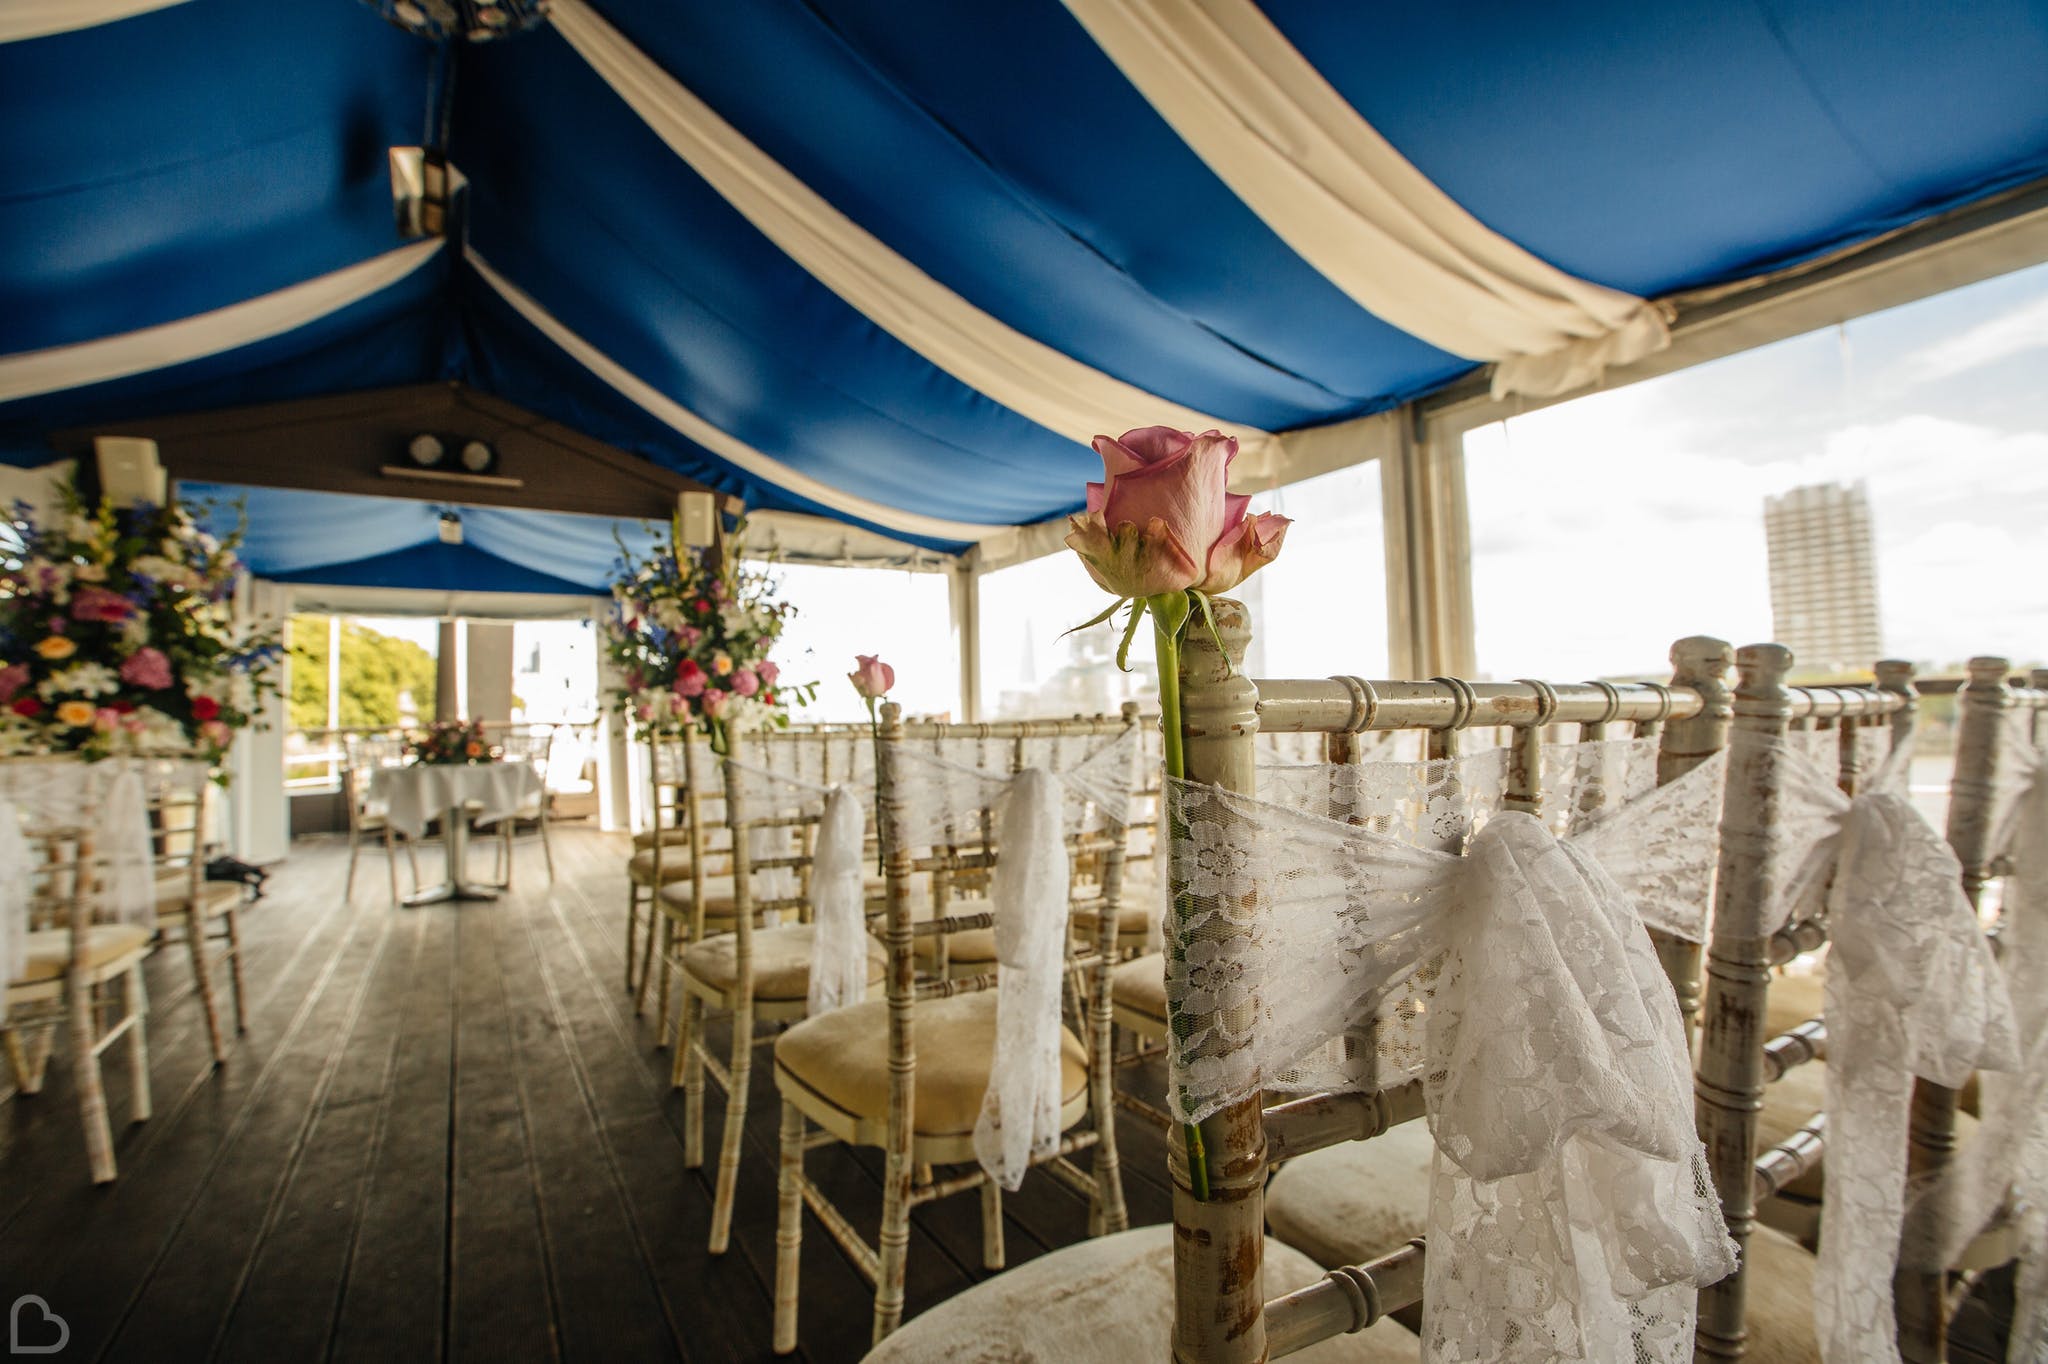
(107, 799)
(839, 951)
(1912, 990)
(1571, 1203)
(17, 870)
(1034, 811)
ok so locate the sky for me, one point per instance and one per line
(1605, 527)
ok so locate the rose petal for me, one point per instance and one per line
(1256, 545)
(1156, 444)
(1188, 494)
(1116, 459)
(1130, 561)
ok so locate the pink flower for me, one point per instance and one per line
(871, 677)
(217, 733)
(1163, 519)
(678, 705)
(768, 672)
(714, 703)
(97, 603)
(146, 668)
(689, 678)
(13, 678)
(690, 635)
(745, 683)
(643, 712)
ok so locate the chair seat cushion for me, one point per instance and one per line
(782, 961)
(49, 950)
(1778, 1295)
(1791, 1102)
(976, 945)
(1347, 1203)
(675, 866)
(1105, 1301)
(174, 899)
(1140, 986)
(843, 1058)
(718, 903)
(1132, 921)
(1792, 1000)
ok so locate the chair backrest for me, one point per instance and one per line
(969, 844)
(363, 754)
(1220, 1231)
(1736, 1057)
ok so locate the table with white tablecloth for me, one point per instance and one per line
(454, 793)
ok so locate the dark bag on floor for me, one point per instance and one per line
(234, 869)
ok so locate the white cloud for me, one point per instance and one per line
(2016, 331)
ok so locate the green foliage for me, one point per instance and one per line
(377, 672)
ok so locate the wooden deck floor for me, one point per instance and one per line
(445, 1136)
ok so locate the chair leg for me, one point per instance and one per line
(234, 940)
(391, 863)
(355, 847)
(92, 1097)
(547, 849)
(31, 1062)
(690, 1059)
(789, 1227)
(632, 928)
(504, 868)
(646, 958)
(135, 994)
(412, 857)
(741, 1074)
(894, 1245)
(202, 973)
(991, 1225)
(668, 949)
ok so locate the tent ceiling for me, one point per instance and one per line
(193, 157)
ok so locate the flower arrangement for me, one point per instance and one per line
(117, 634)
(1162, 532)
(452, 741)
(691, 631)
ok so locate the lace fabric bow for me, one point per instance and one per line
(107, 799)
(839, 948)
(1912, 990)
(1571, 1207)
(1033, 810)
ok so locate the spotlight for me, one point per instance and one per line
(479, 458)
(427, 451)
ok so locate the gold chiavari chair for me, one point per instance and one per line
(908, 1073)
(203, 915)
(1213, 1285)
(70, 968)
(1346, 1202)
(367, 816)
(666, 853)
(529, 744)
(751, 973)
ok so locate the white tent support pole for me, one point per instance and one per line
(965, 592)
(1428, 553)
(617, 787)
(259, 809)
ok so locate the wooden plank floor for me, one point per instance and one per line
(446, 1136)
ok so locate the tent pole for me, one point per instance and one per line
(964, 591)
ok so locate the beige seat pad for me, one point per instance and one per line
(782, 961)
(1347, 1203)
(675, 866)
(976, 945)
(1140, 986)
(1790, 1103)
(1105, 1301)
(718, 904)
(843, 1058)
(1778, 1289)
(49, 949)
(1792, 1000)
(1132, 921)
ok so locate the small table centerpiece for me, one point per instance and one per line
(454, 773)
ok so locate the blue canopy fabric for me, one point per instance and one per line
(198, 156)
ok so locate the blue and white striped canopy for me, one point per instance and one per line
(887, 260)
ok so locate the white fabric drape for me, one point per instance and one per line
(1065, 786)
(106, 799)
(730, 448)
(1023, 374)
(1912, 991)
(22, 19)
(1352, 206)
(223, 329)
(15, 871)
(1571, 1209)
(839, 937)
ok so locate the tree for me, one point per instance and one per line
(384, 680)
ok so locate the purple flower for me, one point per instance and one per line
(147, 668)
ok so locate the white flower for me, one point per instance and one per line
(81, 679)
(135, 632)
(160, 732)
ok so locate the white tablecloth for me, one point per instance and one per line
(414, 795)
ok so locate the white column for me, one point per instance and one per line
(259, 811)
(965, 596)
(617, 787)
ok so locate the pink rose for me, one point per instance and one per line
(714, 703)
(871, 677)
(768, 672)
(745, 683)
(690, 678)
(217, 733)
(1163, 519)
(147, 668)
(679, 705)
(13, 678)
(643, 712)
(690, 635)
(97, 603)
